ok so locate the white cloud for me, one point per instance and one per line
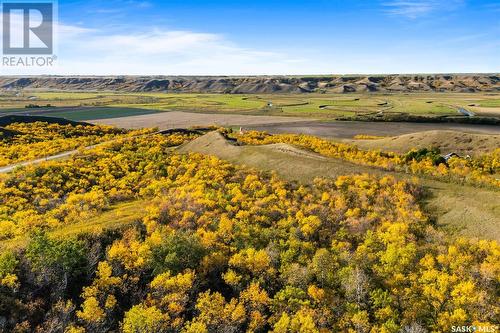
(165, 52)
(154, 42)
(85, 51)
(417, 8)
(408, 8)
(139, 4)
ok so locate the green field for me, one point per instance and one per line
(490, 103)
(321, 106)
(99, 113)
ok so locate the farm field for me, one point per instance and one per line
(80, 113)
(349, 129)
(92, 113)
(313, 105)
(177, 119)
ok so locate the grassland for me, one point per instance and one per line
(447, 141)
(80, 114)
(322, 106)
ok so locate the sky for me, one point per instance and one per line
(195, 37)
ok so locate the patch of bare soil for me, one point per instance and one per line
(486, 111)
(293, 151)
(176, 119)
(348, 129)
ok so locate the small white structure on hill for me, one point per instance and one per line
(450, 155)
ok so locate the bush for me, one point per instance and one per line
(433, 154)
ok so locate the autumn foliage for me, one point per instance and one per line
(227, 249)
(28, 141)
(483, 171)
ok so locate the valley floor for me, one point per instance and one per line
(296, 125)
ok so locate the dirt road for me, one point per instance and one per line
(276, 124)
(348, 129)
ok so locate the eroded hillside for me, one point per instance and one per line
(261, 84)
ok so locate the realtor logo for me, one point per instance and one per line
(28, 28)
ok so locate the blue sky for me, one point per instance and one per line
(194, 37)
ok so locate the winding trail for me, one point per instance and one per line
(12, 167)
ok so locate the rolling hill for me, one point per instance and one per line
(447, 141)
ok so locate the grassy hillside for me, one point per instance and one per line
(447, 141)
(262, 84)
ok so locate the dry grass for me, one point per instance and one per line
(289, 161)
(486, 111)
(464, 210)
(448, 141)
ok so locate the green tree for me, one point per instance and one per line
(143, 319)
(178, 251)
(56, 261)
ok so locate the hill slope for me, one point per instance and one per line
(261, 84)
(447, 141)
(462, 209)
